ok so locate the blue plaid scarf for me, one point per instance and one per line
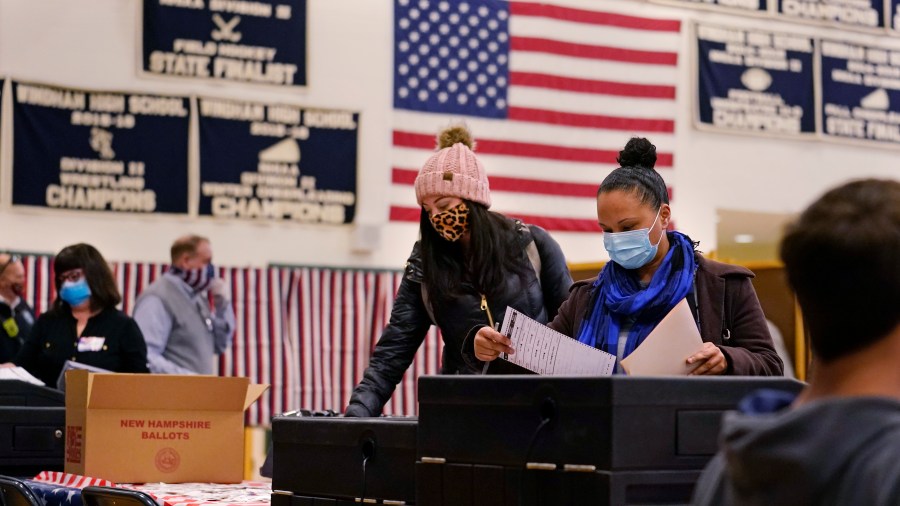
(618, 296)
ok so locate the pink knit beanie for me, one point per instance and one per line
(454, 171)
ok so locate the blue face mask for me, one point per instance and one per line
(75, 293)
(631, 249)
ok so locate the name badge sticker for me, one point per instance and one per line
(91, 343)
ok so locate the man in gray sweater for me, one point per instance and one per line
(183, 332)
(837, 442)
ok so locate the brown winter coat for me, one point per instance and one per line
(748, 349)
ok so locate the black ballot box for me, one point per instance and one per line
(32, 428)
(338, 460)
(281, 498)
(571, 440)
(484, 485)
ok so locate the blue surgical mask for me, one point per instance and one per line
(632, 249)
(75, 292)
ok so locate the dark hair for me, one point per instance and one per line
(842, 258)
(490, 258)
(187, 244)
(104, 293)
(636, 174)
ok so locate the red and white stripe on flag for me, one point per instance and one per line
(578, 83)
(72, 480)
(337, 316)
(306, 332)
(132, 278)
(40, 289)
(262, 350)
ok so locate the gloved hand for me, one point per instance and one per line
(357, 410)
(220, 292)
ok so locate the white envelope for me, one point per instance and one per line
(664, 351)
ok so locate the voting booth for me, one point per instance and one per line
(32, 428)
(517, 440)
(337, 460)
(570, 440)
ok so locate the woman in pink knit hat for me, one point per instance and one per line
(468, 267)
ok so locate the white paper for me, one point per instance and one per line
(68, 366)
(665, 349)
(545, 351)
(18, 373)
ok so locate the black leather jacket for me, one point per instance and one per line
(457, 319)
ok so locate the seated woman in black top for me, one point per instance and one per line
(83, 325)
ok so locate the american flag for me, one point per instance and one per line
(551, 93)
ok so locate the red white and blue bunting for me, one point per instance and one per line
(307, 332)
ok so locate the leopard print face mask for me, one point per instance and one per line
(452, 223)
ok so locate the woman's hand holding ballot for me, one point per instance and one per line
(489, 344)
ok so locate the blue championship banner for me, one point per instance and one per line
(860, 92)
(277, 162)
(843, 13)
(2, 87)
(894, 14)
(755, 81)
(99, 151)
(760, 6)
(255, 41)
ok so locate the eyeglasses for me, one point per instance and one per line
(71, 275)
(12, 259)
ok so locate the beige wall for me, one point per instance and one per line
(93, 44)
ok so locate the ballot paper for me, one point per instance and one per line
(545, 351)
(665, 349)
(18, 373)
(68, 366)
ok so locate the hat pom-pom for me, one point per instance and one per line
(454, 135)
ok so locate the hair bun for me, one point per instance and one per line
(454, 135)
(639, 152)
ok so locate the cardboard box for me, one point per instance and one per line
(139, 428)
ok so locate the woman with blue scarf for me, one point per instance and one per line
(650, 271)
